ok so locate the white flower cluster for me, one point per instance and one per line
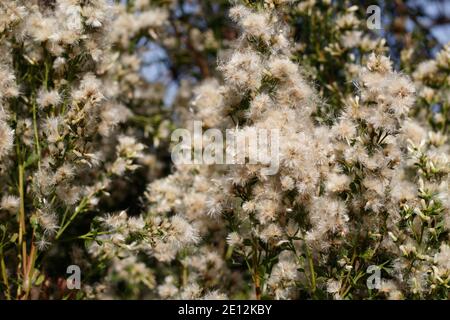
(57, 119)
(363, 155)
(340, 193)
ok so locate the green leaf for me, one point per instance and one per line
(34, 157)
(40, 279)
(14, 237)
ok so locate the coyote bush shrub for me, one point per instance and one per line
(90, 91)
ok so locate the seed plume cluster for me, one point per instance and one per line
(91, 90)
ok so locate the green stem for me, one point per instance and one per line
(79, 209)
(255, 271)
(30, 270)
(4, 275)
(36, 135)
(22, 247)
(65, 216)
(22, 205)
(311, 270)
(47, 69)
(347, 278)
(87, 236)
(184, 277)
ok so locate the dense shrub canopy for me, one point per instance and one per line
(91, 91)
